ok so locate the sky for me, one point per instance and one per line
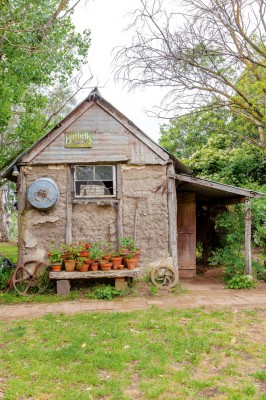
(107, 20)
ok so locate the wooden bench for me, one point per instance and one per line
(64, 278)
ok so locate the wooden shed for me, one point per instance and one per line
(110, 180)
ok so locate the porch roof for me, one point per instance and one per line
(209, 191)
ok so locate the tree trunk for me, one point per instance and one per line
(4, 236)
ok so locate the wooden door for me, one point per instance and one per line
(186, 230)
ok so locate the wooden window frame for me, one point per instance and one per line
(103, 196)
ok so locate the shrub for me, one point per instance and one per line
(5, 274)
(105, 292)
(241, 282)
(259, 270)
(153, 290)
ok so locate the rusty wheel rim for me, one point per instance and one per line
(31, 279)
(164, 277)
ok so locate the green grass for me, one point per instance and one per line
(9, 250)
(155, 354)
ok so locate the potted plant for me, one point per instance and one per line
(117, 258)
(128, 247)
(81, 266)
(131, 261)
(95, 255)
(107, 248)
(106, 264)
(84, 249)
(71, 252)
(55, 259)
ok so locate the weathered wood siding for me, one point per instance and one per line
(186, 228)
(112, 142)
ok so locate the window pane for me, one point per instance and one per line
(84, 173)
(103, 173)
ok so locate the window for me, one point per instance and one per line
(95, 181)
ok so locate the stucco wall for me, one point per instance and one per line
(145, 195)
(93, 223)
(40, 228)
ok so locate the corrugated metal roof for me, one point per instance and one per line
(207, 190)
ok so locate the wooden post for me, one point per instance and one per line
(21, 188)
(248, 266)
(172, 216)
(69, 206)
(120, 205)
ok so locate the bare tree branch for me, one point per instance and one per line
(210, 49)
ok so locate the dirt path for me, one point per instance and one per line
(198, 294)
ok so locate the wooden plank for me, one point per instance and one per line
(215, 185)
(133, 129)
(186, 228)
(95, 274)
(107, 147)
(248, 265)
(172, 217)
(52, 135)
(69, 206)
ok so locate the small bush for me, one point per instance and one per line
(5, 274)
(241, 282)
(104, 292)
(259, 270)
(153, 290)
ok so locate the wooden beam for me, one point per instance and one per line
(248, 266)
(215, 185)
(21, 207)
(119, 220)
(172, 215)
(69, 206)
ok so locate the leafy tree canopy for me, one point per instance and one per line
(39, 50)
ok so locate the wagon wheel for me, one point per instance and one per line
(164, 277)
(32, 278)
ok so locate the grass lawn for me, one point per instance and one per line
(9, 250)
(153, 354)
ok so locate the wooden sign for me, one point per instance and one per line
(78, 139)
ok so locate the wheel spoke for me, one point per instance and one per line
(164, 277)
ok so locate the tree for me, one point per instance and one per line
(39, 50)
(210, 144)
(208, 53)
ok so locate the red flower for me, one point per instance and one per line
(86, 245)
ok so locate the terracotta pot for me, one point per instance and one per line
(69, 265)
(94, 266)
(106, 266)
(107, 256)
(137, 255)
(125, 256)
(84, 268)
(56, 267)
(87, 261)
(131, 263)
(84, 254)
(121, 266)
(116, 261)
(65, 255)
